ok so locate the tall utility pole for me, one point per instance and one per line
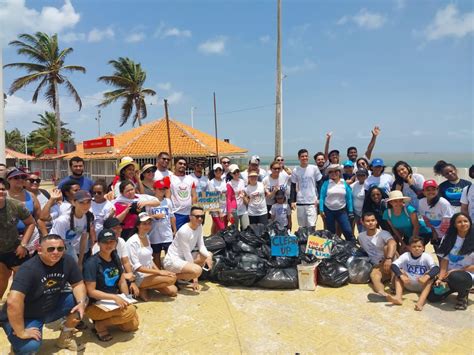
(278, 118)
(215, 126)
(2, 118)
(192, 115)
(98, 120)
(168, 131)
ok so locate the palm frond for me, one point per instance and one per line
(24, 81)
(73, 92)
(127, 108)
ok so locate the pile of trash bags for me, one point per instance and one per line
(244, 259)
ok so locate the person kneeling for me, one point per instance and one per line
(104, 278)
(180, 258)
(38, 296)
(415, 271)
(147, 274)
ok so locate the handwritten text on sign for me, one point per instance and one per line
(319, 247)
(209, 200)
(285, 246)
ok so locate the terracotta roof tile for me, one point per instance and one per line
(12, 154)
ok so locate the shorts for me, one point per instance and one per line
(175, 264)
(11, 260)
(306, 215)
(414, 286)
(158, 247)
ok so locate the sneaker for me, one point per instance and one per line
(66, 340)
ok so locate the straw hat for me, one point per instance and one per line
(397, 195)
(124, 163)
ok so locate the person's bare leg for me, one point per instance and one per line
(377, 284)
(423, 296)
(189, 272)
(155, 282)
(157, 260)
(5, 274)
(171, 291)
(397, 299)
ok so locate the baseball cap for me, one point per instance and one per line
(217, 166)
(233, 167)
(82, 195)
(333, 151)
(160, 184)
(430, 183)
(377, 162)
(105, 235)
(348, 163)
(255, 159)
(143, 217)
(362, 171)
(111, 222)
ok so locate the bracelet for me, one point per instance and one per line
(391, 258)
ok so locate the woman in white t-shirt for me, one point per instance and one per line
(100, 207)
(457, 262)
(147, 274)
(436, 211)
(255, 200)
(236, 207)
(379, 178)
(411, 184)
(218, 184)
(277, 180)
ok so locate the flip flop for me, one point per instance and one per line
(103, 335)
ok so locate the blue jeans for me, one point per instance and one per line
(27, 346)
(181, 219)
(342, 218)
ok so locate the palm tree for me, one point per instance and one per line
(128, 78)
(47, 68)
(45, 136)
(15, 140)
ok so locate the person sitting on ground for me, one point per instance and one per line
(408, 182)
(104, 279)
(457, 262)
(415, 271)
(281, 211)
(403, 220)
(164, 222)
(13, 250)
(381, 247)
(467, 196)
(181, 259)
(38, 296)
(147, 274)
(114, 225)
(451, 189)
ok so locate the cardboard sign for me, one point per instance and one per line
(319, 247)
(209, 200)
(284, 246)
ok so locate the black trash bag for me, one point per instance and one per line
(273, 229)
(258, 229)
(329, 235)
(251, 262)
(242, 247)
(307, 258)
(219, 264)
(282, 262)
(265, 252)
(303, 232)
(230, 235)
(280, 279)
(214, 244)
(332, 273)
(231, 258)
(238, 277)
(249, 237)
(359, 270)
(342, 251)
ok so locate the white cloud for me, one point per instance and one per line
(164, 86)
(135, 37)
(163, 31)
(213, 46)
(307, 65)
(16, 18)
(264, 39)
(19, 110)
(364, 19)
(97, 35)
(73, 37)
(448, 22)
(175, 97)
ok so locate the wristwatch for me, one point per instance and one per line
(23, 245)
(85, 300)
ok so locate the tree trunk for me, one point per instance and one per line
(139, 111)
(58, 130)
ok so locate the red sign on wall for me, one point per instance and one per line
(53, 151)
(98, 145)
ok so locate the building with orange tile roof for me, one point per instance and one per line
(143, 144)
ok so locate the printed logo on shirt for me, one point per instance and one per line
(417, 269)
(52, 283)
(454, 193)
(111, 275)
(183, 192)
(455, 258)
(433, 219)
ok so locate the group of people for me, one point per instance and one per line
(85, 242)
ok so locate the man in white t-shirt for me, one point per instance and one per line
(200, 179)
(183, 192)
(381, 247)
(162, 163)
(180, 258)
(467, 197)
(304, 193)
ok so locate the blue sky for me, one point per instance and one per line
(404, 65)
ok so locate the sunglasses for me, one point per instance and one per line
(34, 181)
(147, 171)
(97, 193)
(280, 160)
(276, 169)
(218, 169)
(198, 216)
(52, 249)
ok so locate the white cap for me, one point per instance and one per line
(233, 167)
(217, 166)
(143, 217)
(255, 159)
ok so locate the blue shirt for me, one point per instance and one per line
(84, 182)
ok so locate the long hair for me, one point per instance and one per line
(398, 179)
(451, 235)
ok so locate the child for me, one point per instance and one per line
(414, 270)
(164, 222)
(358, 196)
(281, 211)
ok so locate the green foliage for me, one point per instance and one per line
(45, 136)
